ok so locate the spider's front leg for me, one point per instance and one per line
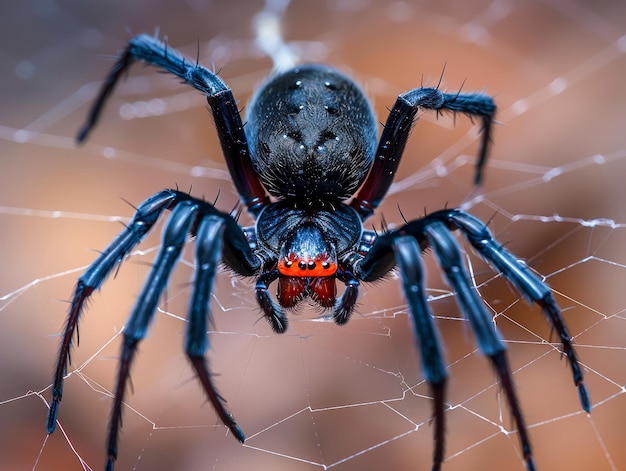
(145, 217)
(388, 250)
(524, 280)
(218, 237)
(174, 236)
(409, 260)
(208, 249)
(405, 246)
(434, 230)
(487, 335)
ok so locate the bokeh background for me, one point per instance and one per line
(320, 396)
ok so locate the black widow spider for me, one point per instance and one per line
(310, 142)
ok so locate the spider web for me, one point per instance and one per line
(320, 396)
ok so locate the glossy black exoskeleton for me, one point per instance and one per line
(310, 142)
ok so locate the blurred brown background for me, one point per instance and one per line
(553, 191)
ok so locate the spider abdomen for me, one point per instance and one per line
(312, 134)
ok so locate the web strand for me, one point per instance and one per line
(320, 396)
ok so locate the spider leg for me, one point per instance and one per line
(220, 98)
(405, 250)
(525, 281)
(146, 215)
(409, 260)
(174, 236)
(396, 133)
(488, 338)
(208, 249)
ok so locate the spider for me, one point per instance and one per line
(310, 142)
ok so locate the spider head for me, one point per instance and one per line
(306, 254)
(307, 265)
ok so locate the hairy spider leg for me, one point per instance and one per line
(208, 251)
(433, 231)
(174, 236)
(409, 260)
(524, 280)
(220, 98)
(487, 335)
(218, 235)
(209, 239)
(146, 215)
(405, 245)
(396, 133)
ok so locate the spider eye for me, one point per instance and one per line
(295, 135)
(306, 253)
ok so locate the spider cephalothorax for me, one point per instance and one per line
(310, 142)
